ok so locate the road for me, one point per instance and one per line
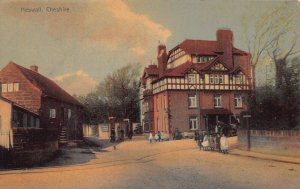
(138, 164)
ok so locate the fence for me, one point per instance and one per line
(277, 142)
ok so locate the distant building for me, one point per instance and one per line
(195, 85)
(36, 114)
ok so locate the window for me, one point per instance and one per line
(69, 113)
(10, 87)
(16, 87)
(52, 113)
(157, 103)
(238, 79)
(221, 80)
(4, 88)
(37, 123)
(165, 101)
(238, 101)
(216, 79)
(218, 101)
(192, 100)
(193, 122)
(31, 121)
(211, 79)
(192, 78)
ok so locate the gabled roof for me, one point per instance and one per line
(237, 69)
(48, 87)
(17, 105)
(203, 47)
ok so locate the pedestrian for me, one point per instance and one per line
(211, 142)
(156, 137)
(162, 136)
(150, 137)
(216, 129)
(159, 136)
(218, 142)
(200, 140)
(196, 136)
(205, 142)
(224, 144)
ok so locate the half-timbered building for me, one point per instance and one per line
(197, 84)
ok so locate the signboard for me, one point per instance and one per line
(104, 128)
(246, 116)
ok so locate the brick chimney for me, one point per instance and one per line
(34, 68)
(162, 59)
(225, 46)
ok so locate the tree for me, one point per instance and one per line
(269, 34)
(117, 95)
(120, 91)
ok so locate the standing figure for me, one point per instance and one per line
(211, 142)
(156, 137)
(205, 142)
(200, 140)
(150, 137)
(218, 147)
(224, 144)
(159, 136)
(162, 136)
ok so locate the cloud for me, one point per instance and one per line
(78, 82)
(109, 23)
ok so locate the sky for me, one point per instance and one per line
(79, 47)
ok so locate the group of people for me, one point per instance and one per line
(157, 137)
(212, 141)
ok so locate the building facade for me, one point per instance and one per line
(43, 115)
(197, 84)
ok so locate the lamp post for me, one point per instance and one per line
(248, 132)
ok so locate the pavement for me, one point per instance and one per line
(138, 164)
(233, 150)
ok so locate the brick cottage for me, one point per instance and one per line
(195, 85)
(36, 115)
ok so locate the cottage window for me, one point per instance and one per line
(192, 78)
(218, 101)
(37, 123)
(193, 122)
(31, 122)
(69, 113)
(16, 87)
(4, 88)
(192, 100)
(52, 113)
(10, 87)
(238, 101)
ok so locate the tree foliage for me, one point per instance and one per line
(117, 96)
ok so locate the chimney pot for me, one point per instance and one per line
(34, 68)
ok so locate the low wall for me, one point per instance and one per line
(33, 146)
(286, 143)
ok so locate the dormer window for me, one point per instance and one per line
(192, 78)
(202, 59)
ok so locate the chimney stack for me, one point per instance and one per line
(34, 68)
(162, 59)
(225, 46)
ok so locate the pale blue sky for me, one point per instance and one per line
(78, 48)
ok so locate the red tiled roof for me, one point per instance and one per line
(47, 86)
(203, 47)
(181, 70)
(151, 70)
